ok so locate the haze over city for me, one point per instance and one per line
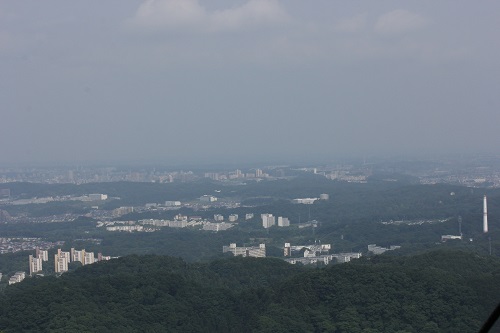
(209, 81)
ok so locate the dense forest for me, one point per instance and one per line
(436, 291)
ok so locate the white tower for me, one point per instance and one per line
(485, 216)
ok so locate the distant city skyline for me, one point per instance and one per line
(247, 81)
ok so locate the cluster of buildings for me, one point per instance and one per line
(180, 221)
(347, 177)
(61, 262)
(346, 173)
(43, 200)
(310, 201)
(246, 251)
(62, 259)
(471, 176)
(268, 220)
(475, 172)
(83, 175)
(314, 254)
(373, 248)
(326, 258)
(208, 198)
(311, 253)
(237, 174)
(11, 245)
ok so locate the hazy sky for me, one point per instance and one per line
(208, 81)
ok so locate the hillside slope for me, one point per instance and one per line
(434, 292)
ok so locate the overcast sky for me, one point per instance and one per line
(207, 81)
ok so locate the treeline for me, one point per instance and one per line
(439, 291)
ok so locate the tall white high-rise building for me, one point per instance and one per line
(35, 264)
(283, 222)
(267, 220)
(78, 255)
(88, 258)
(66, 255)
(44, 254)
(60, 263)
(485, 216)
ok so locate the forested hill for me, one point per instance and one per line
(438, 291)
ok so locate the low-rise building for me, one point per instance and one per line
(311, 250)
(305, 201)
(208, 198)
(444, 238)
(209, 226)
(122, 211)
(98, 197)
(326, 259)
(246, 251)
(18, 277)
(127, 228)
(373, 248)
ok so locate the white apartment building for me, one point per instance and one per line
(178, 224)
(267, 220)
(18, 277)
(233, 218)
(172, 203)
(218, 217)
(252, 251)
(209, 226)
(35, 264)
(44, 254)
(61, 262)
(88, 259)
(78, 255)
(122, 211)
(98, 197)
(283, 222)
